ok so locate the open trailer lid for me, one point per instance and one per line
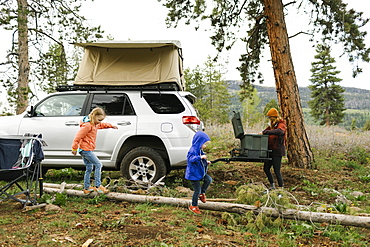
(127, 63)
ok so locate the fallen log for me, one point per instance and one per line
(68, 186)
(341, 219)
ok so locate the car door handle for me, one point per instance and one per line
(124, 123)
(72, 123)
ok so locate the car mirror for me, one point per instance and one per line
(31, 112)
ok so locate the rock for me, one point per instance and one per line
(356, 193)
(353, 210)
(231, 182)
(184, 190)
(342, 199)
(51, 207)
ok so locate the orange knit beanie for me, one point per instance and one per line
(272, 113)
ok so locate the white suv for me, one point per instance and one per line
(156, 124)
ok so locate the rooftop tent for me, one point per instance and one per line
(126, 63)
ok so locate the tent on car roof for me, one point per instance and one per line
(127, 63)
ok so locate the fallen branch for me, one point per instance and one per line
(63, 185)
(28, 208)
(341, 219)
(214, 199)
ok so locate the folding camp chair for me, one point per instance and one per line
(20, 168)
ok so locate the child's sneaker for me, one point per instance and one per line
(89, 190)
(195, 209)
(102, 190)
(203, 198)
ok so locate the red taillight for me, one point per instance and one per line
(190, 120)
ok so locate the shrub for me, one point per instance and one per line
(367, 125)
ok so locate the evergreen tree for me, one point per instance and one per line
(40, 48)
(194, 81)
(261, 24)
(250, 112)
(327, 104)
(269, 105)
(213, 98)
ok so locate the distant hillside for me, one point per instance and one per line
(357, 102)
(355, 98)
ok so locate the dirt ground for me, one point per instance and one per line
(71, 226)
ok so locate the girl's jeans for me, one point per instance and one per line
(91, 161)
(207, 180)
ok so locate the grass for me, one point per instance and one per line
(342, 168)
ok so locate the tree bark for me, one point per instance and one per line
(23, 60)
(346, 220)
(298, 146)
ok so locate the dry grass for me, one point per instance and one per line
(336, 139)
(330, 140)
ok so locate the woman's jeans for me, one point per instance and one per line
(207, 180)
(91, 161)
(276, 164)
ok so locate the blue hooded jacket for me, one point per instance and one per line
(196, 167)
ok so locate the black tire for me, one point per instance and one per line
(143, 165)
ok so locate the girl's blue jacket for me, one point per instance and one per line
(196, 167)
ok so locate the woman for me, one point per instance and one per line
(276, 142)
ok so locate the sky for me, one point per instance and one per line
(145, 20)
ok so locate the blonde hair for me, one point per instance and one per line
(95, 113)
(274, 121)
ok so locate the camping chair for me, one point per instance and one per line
(20, 168)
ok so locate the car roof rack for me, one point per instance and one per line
(170, 86)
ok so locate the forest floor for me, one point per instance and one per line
(113, 223)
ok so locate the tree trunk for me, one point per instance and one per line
(342, 219)
(23, 62)
(298, 146)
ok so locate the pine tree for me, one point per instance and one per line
(213, 98)
(250, 112)
(40, 55)
(271, 104)
(327, 104)
(261, 24)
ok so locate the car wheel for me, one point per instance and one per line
(143, 165)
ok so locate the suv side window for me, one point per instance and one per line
(113, 104)
(61, 105)
(164, 103)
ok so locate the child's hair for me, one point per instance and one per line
(94, 113)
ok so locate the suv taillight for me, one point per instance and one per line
(190, 120)
(193, 123)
